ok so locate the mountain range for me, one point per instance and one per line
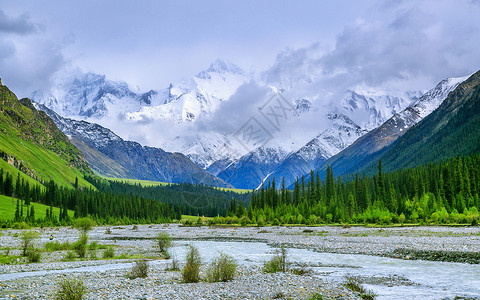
(110, 155)
(373, 144)
(370, 121)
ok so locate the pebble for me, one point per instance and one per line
(251, 283)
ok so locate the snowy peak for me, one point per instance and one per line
(201, 95)
(434, 97)
(370, 110)
(89, 95)
(222, 67)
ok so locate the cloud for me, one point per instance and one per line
(402, 44)
(18, 25)
(27, 58)
(240, 107)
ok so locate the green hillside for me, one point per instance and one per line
(450, 130)
(30, 141)
(7, 209)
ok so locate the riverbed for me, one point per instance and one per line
(329, 254)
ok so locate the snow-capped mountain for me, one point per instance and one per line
(203, 149)
(110, 155)
(370, 110)
(251, 169)
(187, 101)
(341, 133)
(92, 96)
(370, 146)
(291, 162)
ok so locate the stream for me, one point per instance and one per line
(389, 278)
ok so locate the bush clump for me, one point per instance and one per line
(278, 263)
(69, 256)
(164, 242)
(222, 269)
(70, 289)
(80, 246)
(139, 270)
(109, 252)
(191, 270)
(27, 238)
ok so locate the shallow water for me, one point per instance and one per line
(419, 279)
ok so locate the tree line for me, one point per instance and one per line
(191, 199)
(443, 192)
(104, 207)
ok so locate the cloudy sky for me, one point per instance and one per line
(152, 43)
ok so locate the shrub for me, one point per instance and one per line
(109, 252)
(93, 246)
(27, 238)
(84, 224)
(222, 269)
(174, 265)
(301, 271)
(191, 271)
(70, 289)
(278, 263)
(80, 246)
(164, 242)
(316, 296)
(69, 256)
(108, 230)
(34, 255)
(56, 246)
(139, 270)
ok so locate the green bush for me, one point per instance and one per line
(80, 246)
(278, 263)
(56, 246)
(174, 265)
(34, 254)
(27, 238)
(84, 224)
(222, 269)
(69, 256)
(93, 246)
(139, 270)
(191, 271)
(109, 252)
(164, 242)
(316, 296)
(70, 289)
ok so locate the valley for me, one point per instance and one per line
(325, 254)
(216, 150)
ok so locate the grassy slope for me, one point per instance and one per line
(7, 209)
(155, 183)
(14, 171)
(25, 135)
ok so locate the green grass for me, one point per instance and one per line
(45, 163)
(158, 183)
(34, 140)
(194, 218)
(14, 171)
(7, 209)
(136, 181)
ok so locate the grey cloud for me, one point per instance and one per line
(241, 106)
(17, 25)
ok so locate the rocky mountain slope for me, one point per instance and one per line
(30, 141)
(112, 156)
(372, 145)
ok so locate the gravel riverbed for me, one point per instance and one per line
(250, 282)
